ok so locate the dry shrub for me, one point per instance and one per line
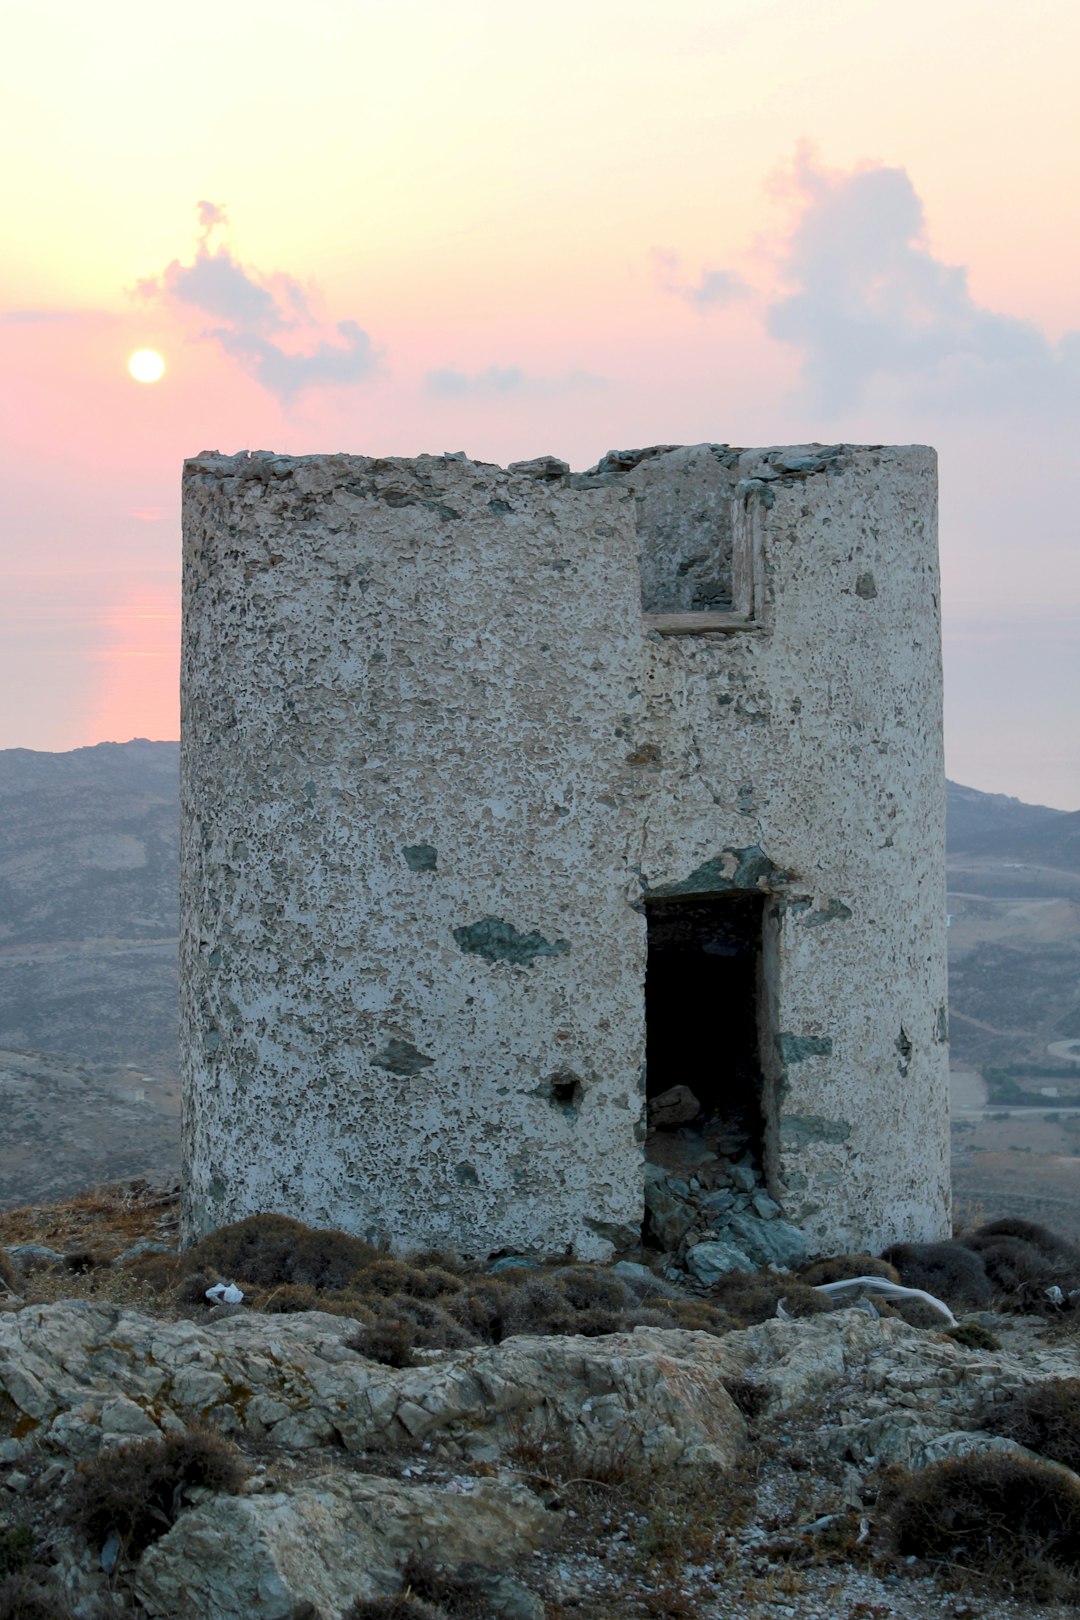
(650, 1316)
(461, 1593)
(403, 1277)
(16, 1549)
(191, 1290)
(387, 1342)
(538, 1306)
(839, 1267)
(1045, 1418)
(138, 1490)
(160, 1272)
(480, 1308)
(1023, 1260)
(1052, 1247)
(950, 1271)
(749, 1396)
(402, 1606)
(1011, 1521)
(267, 1249)
(702, 1316)
(973, 1336)
(752, 1296)
(588, 1288)
(432, 1327)
(32, 1595)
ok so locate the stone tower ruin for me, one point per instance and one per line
(513, 798)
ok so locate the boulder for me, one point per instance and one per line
(335, 1538)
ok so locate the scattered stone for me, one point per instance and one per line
(710, 1261)
(767, 1242)
(35, 1257)
(676, 1106)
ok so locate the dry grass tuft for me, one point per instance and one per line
(104, 1220)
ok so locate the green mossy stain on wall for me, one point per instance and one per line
(752, 867)
(401, 1057)
(499, 941)
(796, 1048)
(420, 857)
(798, 1130)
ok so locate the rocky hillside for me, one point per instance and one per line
(166, 1455)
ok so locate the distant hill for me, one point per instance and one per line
(89, 854)
(88, 911)
(992, 824)
(89, 844)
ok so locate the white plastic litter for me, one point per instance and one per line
(225, 1294)
(890, 1290)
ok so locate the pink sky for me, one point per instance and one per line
(431, 227)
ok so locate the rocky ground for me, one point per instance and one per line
(731, 1474)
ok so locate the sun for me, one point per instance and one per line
(146, 365)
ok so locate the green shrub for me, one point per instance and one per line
(1010, 1520)
(948, 1270)
(1045, 1418)
(138, 1490)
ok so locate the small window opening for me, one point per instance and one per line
(703, 993)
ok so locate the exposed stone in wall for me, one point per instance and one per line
(436, 767)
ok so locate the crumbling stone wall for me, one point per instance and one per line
(448, 727)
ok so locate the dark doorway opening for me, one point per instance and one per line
(703, 990)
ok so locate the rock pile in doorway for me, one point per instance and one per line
(705, 1200)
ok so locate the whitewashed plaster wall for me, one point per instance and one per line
(433, 760)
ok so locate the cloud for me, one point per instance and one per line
(265, 323)
(57, 317)
(714, 289)
(869, 301)
(504, 381)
